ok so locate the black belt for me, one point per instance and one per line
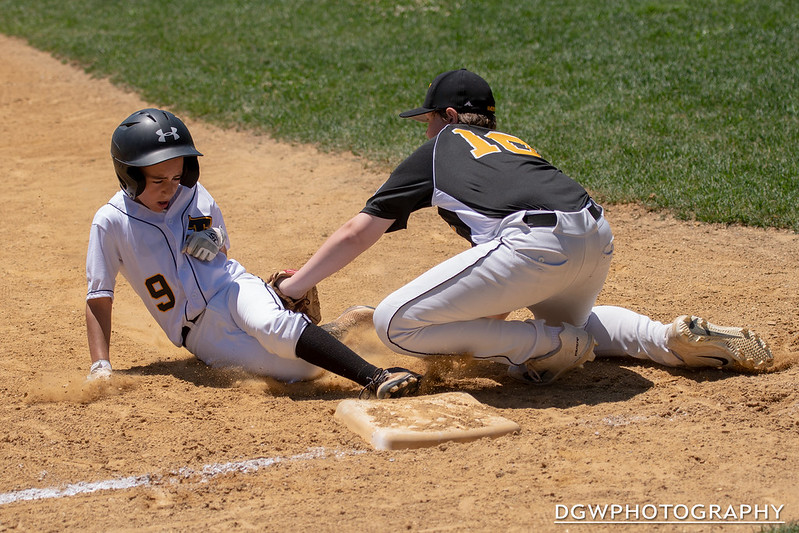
(186, 329)
(550, 220)
(184, 333)
(541, 220)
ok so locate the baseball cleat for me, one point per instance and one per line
(702, 344)
(358, 316)
(576, 347)
(392, 383)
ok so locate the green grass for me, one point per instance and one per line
(688, 106)
(790, 527)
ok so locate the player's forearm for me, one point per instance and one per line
(348, 242)
(98, 328)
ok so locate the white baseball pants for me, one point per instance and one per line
(246, 326)
(556, 272)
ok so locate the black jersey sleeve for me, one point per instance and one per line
(408, 189)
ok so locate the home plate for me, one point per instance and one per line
(422, 421)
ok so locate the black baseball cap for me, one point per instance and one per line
(462, 90)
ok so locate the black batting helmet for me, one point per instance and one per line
(148, 137)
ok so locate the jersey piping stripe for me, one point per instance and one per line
(96, 291)
(410, 302)
(174, 259)
(184, 218)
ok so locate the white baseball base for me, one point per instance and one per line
(422, 421)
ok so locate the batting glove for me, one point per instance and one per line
(99, 370)
(204, 245)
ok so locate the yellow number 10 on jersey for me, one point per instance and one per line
(481, 146)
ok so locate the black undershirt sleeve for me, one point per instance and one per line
(408, 189)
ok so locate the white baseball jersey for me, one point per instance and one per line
(145, 246)
(246, 326)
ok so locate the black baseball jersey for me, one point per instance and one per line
(476, 177)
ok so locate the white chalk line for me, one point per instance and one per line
(205, 473)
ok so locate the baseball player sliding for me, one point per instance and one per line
(165, 233)
(538, 240)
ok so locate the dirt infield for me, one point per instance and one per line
(169, 444)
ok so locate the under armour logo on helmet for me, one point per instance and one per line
(162, 136)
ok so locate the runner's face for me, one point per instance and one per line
(162, 183)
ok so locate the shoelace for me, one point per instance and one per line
(536, 375)
(371, 387)
(533, 374)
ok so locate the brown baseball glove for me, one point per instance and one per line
(307, 304)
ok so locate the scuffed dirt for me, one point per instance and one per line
(617, 432)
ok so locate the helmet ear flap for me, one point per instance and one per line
(191, 171)
(131, 179)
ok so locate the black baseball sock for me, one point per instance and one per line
(318, 347)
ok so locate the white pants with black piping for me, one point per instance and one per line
(557, 272)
